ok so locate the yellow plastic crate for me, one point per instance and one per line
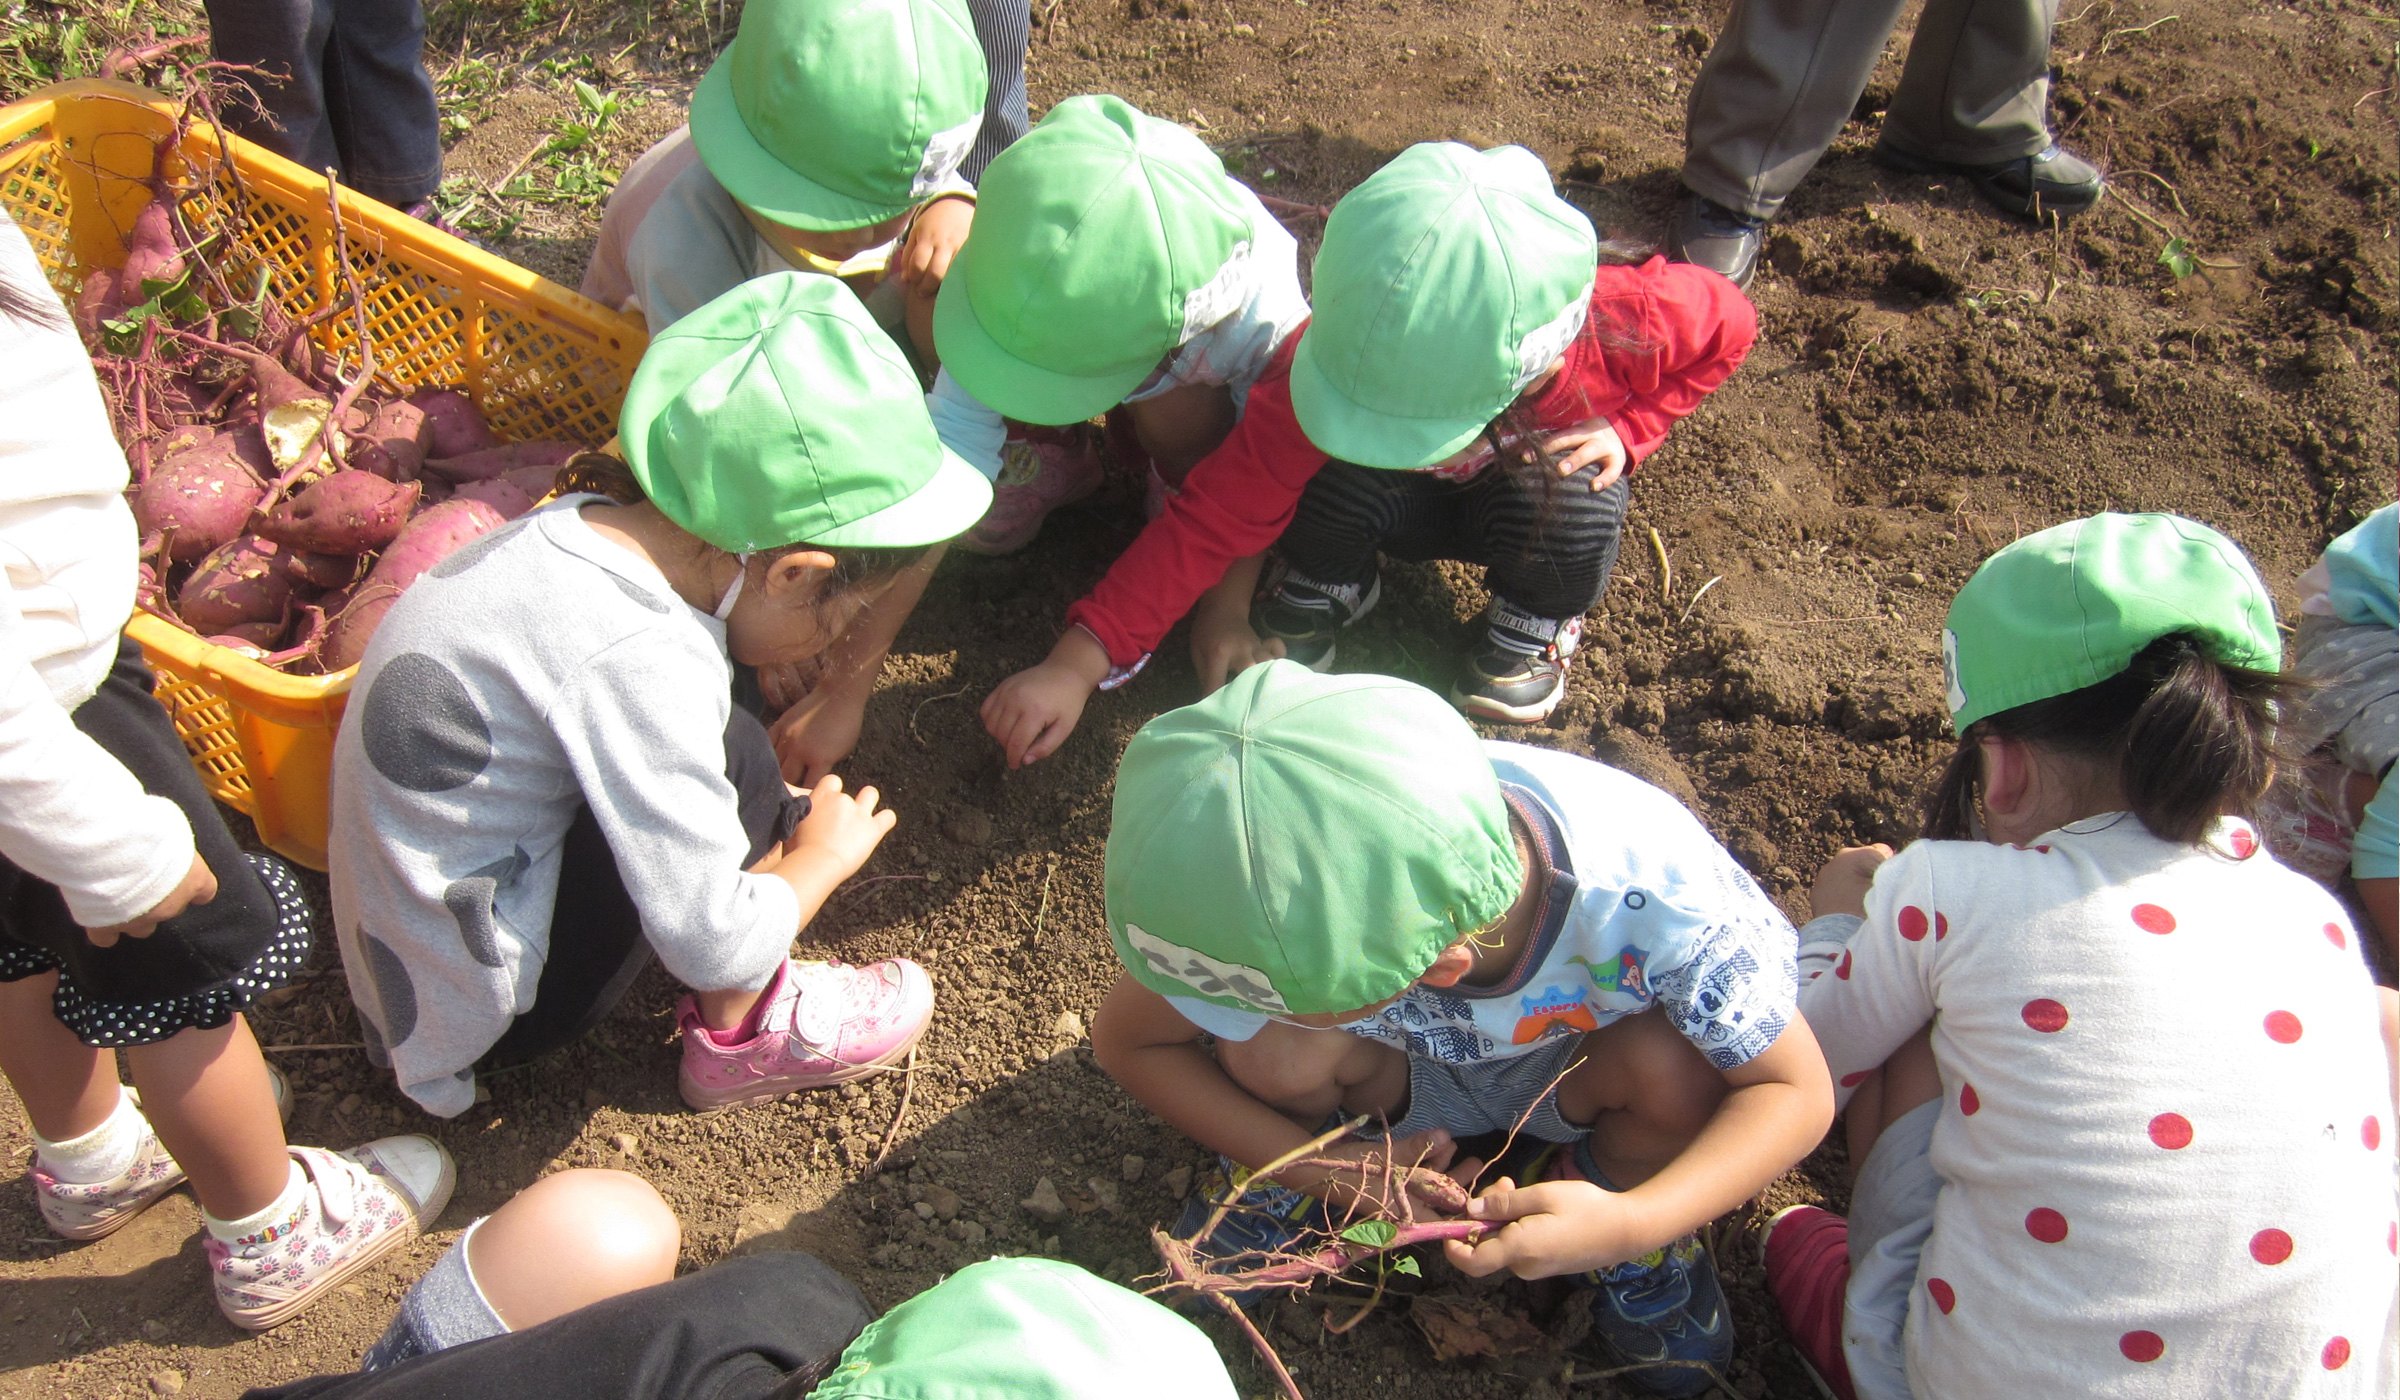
(541, 361)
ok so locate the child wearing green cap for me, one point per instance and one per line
(568, 1292)
(1476, 384)
(2117, 1105)
(1374, 912)
(827, 137)
(1115, 268)
(540, 779)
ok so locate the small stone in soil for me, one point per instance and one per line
(968, 826)
(1068, 1026)
(626, 1143)
(1179, 1181)
(166, 1382)
(348, 1105)
(153, 1330)
(943, 1200)
(1044, 1203)
(1131, 1168)
(924, 1210)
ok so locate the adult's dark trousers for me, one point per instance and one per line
(1786, 74)
(1547, 548)
(197, 951)
(758, 1327)
(596, 942)
(343, 85)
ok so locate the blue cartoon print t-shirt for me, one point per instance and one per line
(1643, 908)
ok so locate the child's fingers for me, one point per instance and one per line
(1053, 733)
(1486, 1256)
(866, 798)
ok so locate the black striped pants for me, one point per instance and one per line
(1547, 547)
(1003, 28)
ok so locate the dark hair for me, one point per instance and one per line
(853, 566)
(2191, 738)
(37, 305)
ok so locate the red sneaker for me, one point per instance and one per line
(1808, 1272)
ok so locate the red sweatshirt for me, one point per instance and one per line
(1691, 326)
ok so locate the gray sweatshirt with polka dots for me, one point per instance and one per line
(537, 670)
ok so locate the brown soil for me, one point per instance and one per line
(1932, 380)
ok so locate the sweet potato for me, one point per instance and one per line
(320, 570)
(497, 461)
(250, 636)
(500, 493)
(349, 512)
(244, 581)
(202, 490)
(97, 302)
(428, 540)
(150, 251)
(455, 425)
(347, 635)
(392, 445)
(290, 412)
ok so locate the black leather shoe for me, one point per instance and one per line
(1707, 234)
(2053, 182)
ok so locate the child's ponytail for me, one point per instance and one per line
(2190, 737)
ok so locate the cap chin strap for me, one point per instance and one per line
(733, 590)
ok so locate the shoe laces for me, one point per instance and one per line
(1715, 218)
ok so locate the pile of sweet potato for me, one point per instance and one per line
(284, 500)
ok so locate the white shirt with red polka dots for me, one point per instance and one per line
(2166, 1146)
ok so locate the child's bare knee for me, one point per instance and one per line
(613, 1226)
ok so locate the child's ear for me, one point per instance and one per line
(792, 577)
(2008, 777)
(1456, 961)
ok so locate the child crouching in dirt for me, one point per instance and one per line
(1476, 385)
(541, 780)
(568, 1292)
(1375, 913)
(825, 140)
(129, 918)
(2116, 1104)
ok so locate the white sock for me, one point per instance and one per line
(283, 1210)
(99, 1154)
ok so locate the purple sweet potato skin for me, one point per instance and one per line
(349, 512)
(428, 540)
(260, 635)
(455, 426)
(393, 443)
(500, 493)
(498, 461)
(346, 637)
(320, 570)
(202, 491)
(242, 582)
(150, 254)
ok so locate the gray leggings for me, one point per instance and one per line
(1891, 1216)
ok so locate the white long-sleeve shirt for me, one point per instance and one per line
(2165, 1146)
(70, 813)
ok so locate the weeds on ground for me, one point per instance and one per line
(50, 41)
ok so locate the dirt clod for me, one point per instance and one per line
(1044, 1203)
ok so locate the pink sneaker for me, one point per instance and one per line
(1041, 469)
(359, 1205)
(819, 1023)
(99, 1209)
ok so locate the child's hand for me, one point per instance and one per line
(199, 886)
(934, 239)
(1223, 646)
(1558, 1227)
(1592, 440)
(1032, 712)
(1841, 886)
(840, 831)
(817, 733)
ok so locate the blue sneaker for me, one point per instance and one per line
(1666, 1308)
(1266, 1220)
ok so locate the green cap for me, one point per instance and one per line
(1028, 1329)
(1104, 239)
(780, 414)
(1304, 843)
(1447, 282)
(826, 114)
(2072, 605)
